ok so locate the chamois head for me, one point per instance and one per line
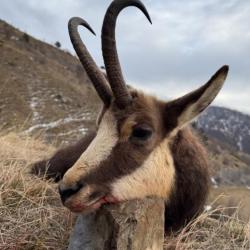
(130, 155)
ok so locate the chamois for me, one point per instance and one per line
(142, 146)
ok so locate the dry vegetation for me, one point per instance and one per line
(212, 230)
(32, 217)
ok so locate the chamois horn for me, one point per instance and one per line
(96, 76)
(109, 50)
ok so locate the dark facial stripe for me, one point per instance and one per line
(123, 160)
(127, 156)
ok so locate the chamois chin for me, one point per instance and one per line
(142, 146)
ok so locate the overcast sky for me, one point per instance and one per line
(187, 43)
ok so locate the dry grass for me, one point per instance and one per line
(212, 230)
(32, 217)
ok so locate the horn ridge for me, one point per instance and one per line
(96, 76)
(109, 50)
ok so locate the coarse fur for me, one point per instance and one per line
(192, 175)
(190, 181)
(141, 147)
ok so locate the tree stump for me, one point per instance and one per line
(132, 225)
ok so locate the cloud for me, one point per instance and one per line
(187, 43)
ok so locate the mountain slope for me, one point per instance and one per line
(228, 126)
(42, 87)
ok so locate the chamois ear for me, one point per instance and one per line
(184, 109)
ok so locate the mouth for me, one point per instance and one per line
(80, 207)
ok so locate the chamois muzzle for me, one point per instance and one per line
(65, 193)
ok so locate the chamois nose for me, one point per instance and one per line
(66, 192)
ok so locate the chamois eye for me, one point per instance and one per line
(141, 133)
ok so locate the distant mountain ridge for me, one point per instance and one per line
(229, 126)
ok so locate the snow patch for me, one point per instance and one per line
(214, 182)
(208, 208)
(55, 124)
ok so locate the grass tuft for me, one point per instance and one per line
(31, 214)
(212, 230)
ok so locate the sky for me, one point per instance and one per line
(187, 43)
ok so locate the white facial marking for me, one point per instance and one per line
(102, 145)
(100, 115)
(98, 150)
(154, 177)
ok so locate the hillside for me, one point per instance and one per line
(42, 88)
(228, 166)
(226, 133)
(227, 125)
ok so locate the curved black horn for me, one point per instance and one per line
(94, 73)
(109, 49)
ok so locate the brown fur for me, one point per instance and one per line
(62, 160)
(192, 180)
(169, 163)
(140, 148)
(145, 109)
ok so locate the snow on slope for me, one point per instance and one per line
(228, 126)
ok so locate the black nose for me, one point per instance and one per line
(66, 192)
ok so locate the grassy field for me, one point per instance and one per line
(32, 217)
